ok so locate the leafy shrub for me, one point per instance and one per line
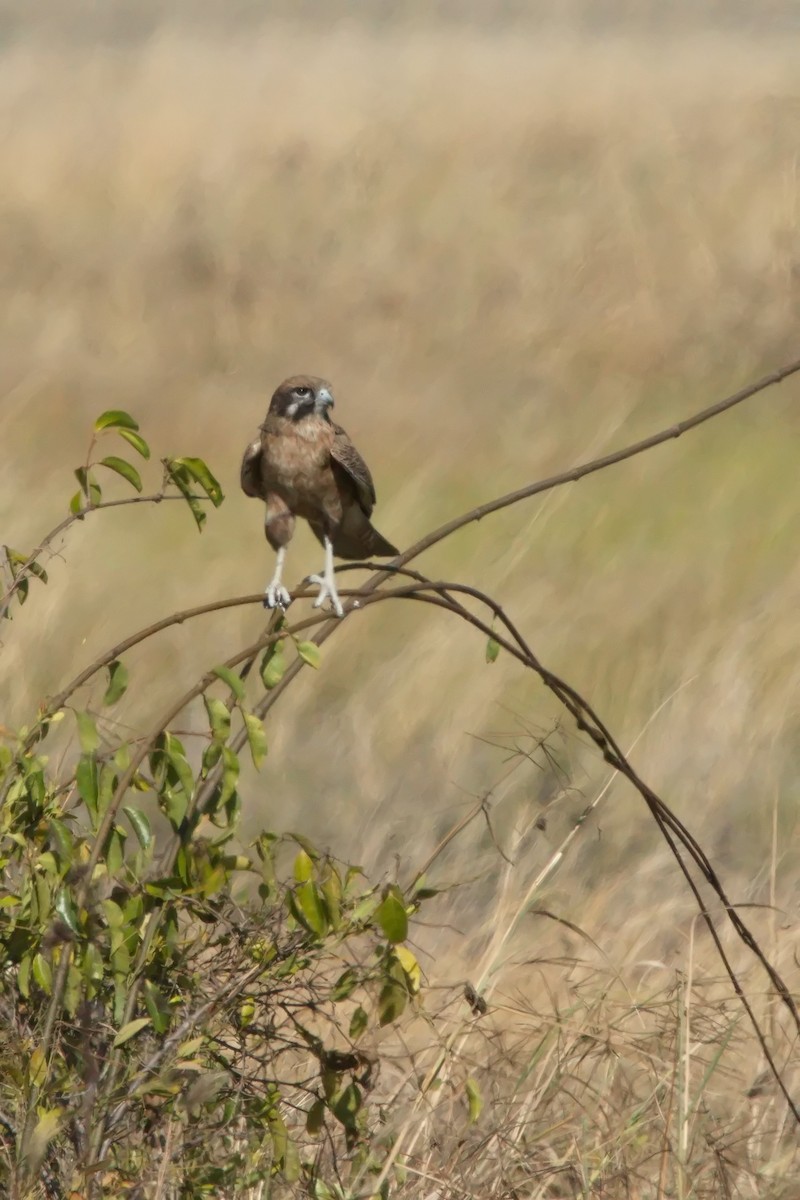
(168, 996)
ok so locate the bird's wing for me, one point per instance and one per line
(344, 453)
(251, 471)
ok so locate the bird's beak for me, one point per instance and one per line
(324, 400)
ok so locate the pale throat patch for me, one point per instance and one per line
(311, 427)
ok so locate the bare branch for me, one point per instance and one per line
(24, 570)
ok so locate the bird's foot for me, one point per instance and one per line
(276, 596)
(327, 591)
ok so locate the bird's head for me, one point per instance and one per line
(300, 396)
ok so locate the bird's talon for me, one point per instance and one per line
(277, 597)
(327, 591)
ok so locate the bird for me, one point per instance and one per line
(304, 465)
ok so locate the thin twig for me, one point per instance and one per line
(24, 569)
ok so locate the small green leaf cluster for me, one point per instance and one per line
(187, 474)
(90, 493)
(190, 477)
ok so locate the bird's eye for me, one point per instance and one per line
(302, 392)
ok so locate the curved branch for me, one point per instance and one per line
(47, 541)
(54, 703)
(596, 464)
(440, 594)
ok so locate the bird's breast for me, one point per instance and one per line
(297, 464)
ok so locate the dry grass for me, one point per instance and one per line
(509, 255)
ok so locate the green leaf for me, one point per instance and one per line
(82, 476)
(391, 1001)
(76, 503)
(247, 1011)
(219, 717)
(303, 867)
(86, 782)
(92, 965)
(232, 679)
(200, 472)
(115, 418)
(273, 665)
(42, 973)
(308, 907)
(211, 756)
(89, 485)
(474, 1100)
(37, 1067)
(73, 990)
(24, 976)
(88, 736)
(141, 826)
(358, 1023)
(106, 787)
(35, 1146)
(130, 1030)
(309, 652)
(345, 985)
(137, 441)
(365, 910)
(35, 568)
(122, 756)
(117, 682)
(392, 917)
(123, 468)
(170, 768)
(189, 1049)
(115, 849)
(113, 913)
(315, 1119)
(183, 482)
(22, 593)
(492, 650)
(157, 1007)
(283, 1149)
(175, 805)
(47, 863)
(332, 891)
(318, 1190)
(179, 769)
(347, 1106)
(256, 738)
(230, 774)
(65, 907)
(62, 839)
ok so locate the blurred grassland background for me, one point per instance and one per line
(512, 244)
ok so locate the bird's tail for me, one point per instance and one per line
(368, 543)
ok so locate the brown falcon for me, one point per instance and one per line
(303, 465)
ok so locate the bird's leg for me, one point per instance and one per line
(275, 594)
(327, 582)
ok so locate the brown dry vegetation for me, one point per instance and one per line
(509, 253)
